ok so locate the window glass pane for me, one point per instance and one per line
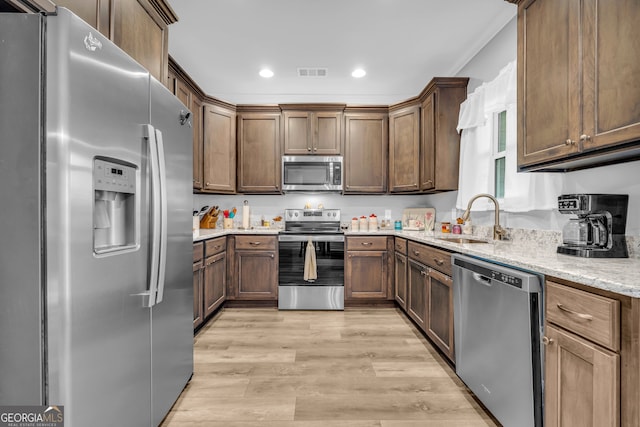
(502, 131)
(499, 177)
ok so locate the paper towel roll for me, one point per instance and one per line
(245, 217)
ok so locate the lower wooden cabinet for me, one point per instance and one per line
(582, 382)
(400, 282)
(429, 293)
(367, 268)
(417, 283)
(215, 282)
(198, 307)
(255, 268)
(439, 322)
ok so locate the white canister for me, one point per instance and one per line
(246, 217)
(364, 224)
(373, 223)
(355, 225)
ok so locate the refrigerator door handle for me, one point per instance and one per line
(154, 171)
(162, 172)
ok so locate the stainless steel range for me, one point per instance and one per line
(311, 252)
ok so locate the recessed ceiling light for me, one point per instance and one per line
(358, 72)
(266, 73)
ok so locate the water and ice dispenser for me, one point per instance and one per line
(114, 206)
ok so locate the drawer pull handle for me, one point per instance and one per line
(366, 243)
(587, 317)
(547, 340)
(438, 261)
(416, 252)
(255, 243)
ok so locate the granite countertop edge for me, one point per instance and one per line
(617, 275)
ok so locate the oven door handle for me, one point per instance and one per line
(313, 237)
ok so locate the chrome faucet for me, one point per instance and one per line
(499, 233)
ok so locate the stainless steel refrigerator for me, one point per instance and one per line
(96, 296)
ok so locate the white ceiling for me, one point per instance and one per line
(402, 44)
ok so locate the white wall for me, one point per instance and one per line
(623, 178)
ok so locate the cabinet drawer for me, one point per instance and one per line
(197, 251)
(366, 243)
(400, 245)
(256, 242)
(594, 317)
(432, 257)
(215, 246)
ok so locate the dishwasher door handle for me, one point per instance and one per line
(482, 279)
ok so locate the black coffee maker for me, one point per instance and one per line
(599, 229)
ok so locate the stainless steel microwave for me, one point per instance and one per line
(312, 173)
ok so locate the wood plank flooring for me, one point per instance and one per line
(352, 368)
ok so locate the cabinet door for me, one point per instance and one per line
(366, 274)
(417, 293)
(140, 31)
(183, 93)
(439, 324)
(215, 282)
(326, 133)
(96, 13)
(256, 275)
(198, 305)
(611, 73)
(404, 150)
(366, 153)
(259, 153)
(198, 144)
(582, 382)
(428, 144)
(297, 130)
(401, 280)
(548, 80)
(219, 149)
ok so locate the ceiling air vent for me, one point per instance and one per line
(313, 72)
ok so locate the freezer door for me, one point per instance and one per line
(172, 315)
(21, 347)
(98, 326)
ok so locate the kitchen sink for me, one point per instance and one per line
(461, 240)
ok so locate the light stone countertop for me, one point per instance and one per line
(619, 275)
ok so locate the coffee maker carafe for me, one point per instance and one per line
(599, 229)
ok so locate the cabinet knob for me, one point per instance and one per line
(569, 142)
(438, 261)
(585, 138)
(422, 272)
(416, 252)
(272, 256)
(208, 184)
(547, 340)
(315, 149)
(429, 181)
(308, 148)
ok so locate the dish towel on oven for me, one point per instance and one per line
(310, 268)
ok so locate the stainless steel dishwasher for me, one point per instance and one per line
(497, 327)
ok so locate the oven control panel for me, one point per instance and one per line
(312, 215)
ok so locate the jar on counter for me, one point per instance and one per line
(355, 224)
(446, 227)
(397, 225)
(457, 229)
(364, 223)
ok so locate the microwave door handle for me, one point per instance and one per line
(330, 171)
(162, 174)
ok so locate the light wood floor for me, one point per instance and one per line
(357, 368)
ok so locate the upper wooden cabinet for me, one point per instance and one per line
(259, 136)
(366, 145)
(219, 149)
(440, 142)
(404, 149)
(311, 129)
(196, 121)
(576, 74)
(139, 27)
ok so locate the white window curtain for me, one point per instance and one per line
(523, 191)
